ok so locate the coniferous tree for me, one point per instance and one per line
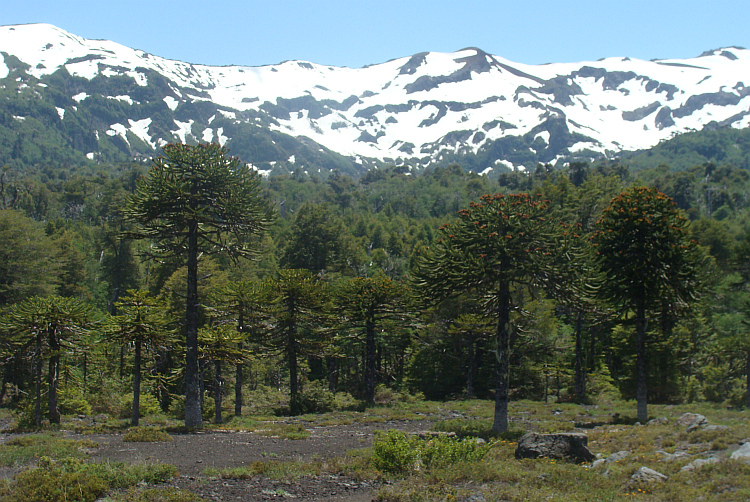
(197, 200)
(648, 258)
(496, 245)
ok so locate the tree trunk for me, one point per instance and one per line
(579, 386)
(470, 368)
(500, 423)
(641, 325)
(218, 392)
(52, 377)
(193, 416)
(370, 362)
(136, 385)
(293, 382)
(238, 381)
(747, 377)
(38, 369)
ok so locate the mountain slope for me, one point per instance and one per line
(105, 101)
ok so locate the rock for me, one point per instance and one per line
(742, 454)
(101, 418)
(692, 421)
(698, 463)
(658, 421)
(597, 462)
(716, 428)
(477, 497)
(669, 457)
(616, 457)
(644, 475)
(563, 446)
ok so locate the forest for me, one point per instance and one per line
(565, 283)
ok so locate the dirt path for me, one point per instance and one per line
(192, 453)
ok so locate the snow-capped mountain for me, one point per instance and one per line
(469, 106)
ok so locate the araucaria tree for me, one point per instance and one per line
(649, 262)
(496, 246)
(197, 200)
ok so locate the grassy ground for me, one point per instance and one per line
(52, 467)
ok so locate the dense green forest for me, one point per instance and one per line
(333, 298)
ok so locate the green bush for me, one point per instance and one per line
(314, 398)
(146, 435)
(149, 405)
(54, 485)
(71, 401)
(399, 453)
(395, 452)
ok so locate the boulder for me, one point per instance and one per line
(692, 421)
(658, 421)
(742, 454)
(698, 463)
(616, 457)
(644, 475)
(564, 446)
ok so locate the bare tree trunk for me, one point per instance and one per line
(641, 325)
(38, 369)
(193, 416)
(370, 363)
(500, 423)
(52, 377)
(135, 418)
(579, 386)
(218, 392)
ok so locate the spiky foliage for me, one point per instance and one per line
(221, 344)
(144, 322)
(651, 264)
(197, 199)
(298, 305)
(46, 328)
(243, 303)
(367, 305)
(496, 245)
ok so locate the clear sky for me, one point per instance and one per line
(355, 33)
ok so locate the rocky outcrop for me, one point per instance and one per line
(564, 446)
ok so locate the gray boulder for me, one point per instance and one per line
(698, 463)
(742, 454)
(692, 421)
(644, 475)
(564, 446)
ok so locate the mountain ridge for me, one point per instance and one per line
(478, 109)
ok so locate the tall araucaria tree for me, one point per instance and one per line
(496, 246)
(47, 327)
(649, 261)
(366, 305)
(144, 322)
(197, 200)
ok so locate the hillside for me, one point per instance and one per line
(68, 100)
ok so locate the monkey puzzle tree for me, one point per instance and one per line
(144, 322)
(298, 318)
(366, 303)
(221, 344)
(196, 200)
(497, 245)
(46, 327)
(649, 261)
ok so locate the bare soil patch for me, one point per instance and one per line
(193, 453)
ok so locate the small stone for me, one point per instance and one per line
(616, 457)
(698, 463)
(646, 475)
(742, 454)
(658, 421)
(715, 428)
(692, 421)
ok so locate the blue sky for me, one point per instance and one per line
(356, 33)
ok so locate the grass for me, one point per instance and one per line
(25, 450)
(145, 434)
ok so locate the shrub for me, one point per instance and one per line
(398, 453)
(149, 405)
(71, 401)
(146, 435)
(315, 398)
(395, 452)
